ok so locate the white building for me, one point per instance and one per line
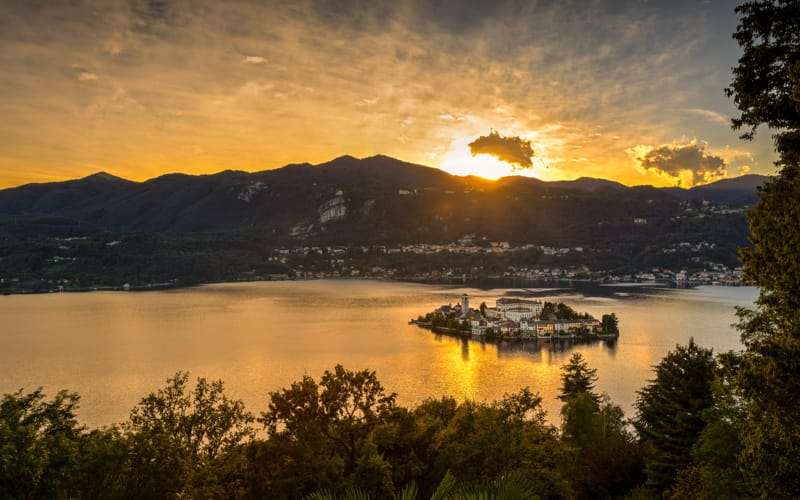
(506, 304)
(576, 324)
(478, 325)
(517, 314)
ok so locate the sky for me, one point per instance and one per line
(557, 89)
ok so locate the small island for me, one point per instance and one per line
(518, 319)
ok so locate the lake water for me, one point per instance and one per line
(114, 348)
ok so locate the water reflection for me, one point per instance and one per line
(558, 348)
(531, 348)
(114, 348)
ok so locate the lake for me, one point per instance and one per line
(115, 347)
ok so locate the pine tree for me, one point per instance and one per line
(669, 411)
(578, 420)
(578, 378)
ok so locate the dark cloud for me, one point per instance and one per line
(688, 163)
(513, 150)
(152, 16)
(356, 15)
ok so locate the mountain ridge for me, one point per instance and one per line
(369, 200)
(583, 182)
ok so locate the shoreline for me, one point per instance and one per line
(154, 287)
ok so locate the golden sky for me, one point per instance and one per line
(630, 91)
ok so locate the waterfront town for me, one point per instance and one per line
(563, 264)
(84, 263)
(515, 318)
(457, 262)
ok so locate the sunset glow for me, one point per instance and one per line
(460, 161)
(139, 89)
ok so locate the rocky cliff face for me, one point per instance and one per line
(333, 209)
(251, 190)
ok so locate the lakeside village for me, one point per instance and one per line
(518, 319)
(350, 262)
(359, 262)
(80, 264)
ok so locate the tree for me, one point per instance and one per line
(103, 468)
(716, 473)
(580, 401)
(610, 324)
(324, 429)
(514, 486)
(611, 462)
(577, 378)
(669, 411)
(563, 311)
(766, 89)
(483, 309)
(607, 460)
(180, 439)
(578, 420)
(38, 444)
(767, 77)
(548, 310)
(488, 441)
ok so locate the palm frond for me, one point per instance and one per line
(446, 488)
(348, 494)
(409, 492)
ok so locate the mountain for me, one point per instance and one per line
(52, 197)
(375, 199)
(105, 231)
(589, 184)
(741, 190)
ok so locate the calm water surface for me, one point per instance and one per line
(114, 348)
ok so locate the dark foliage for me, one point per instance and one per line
(577, 378)
(766, 89)
(669, 411)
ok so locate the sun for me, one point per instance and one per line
(460, 161)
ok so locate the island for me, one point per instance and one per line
(515, 318)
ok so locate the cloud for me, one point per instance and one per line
(521, 66)
(686, 164)
(710, 115)
(153, 16)
(117, 102)
(86, 76)
(253, 89)
(745, 169)
(512, 149)
(254, 60)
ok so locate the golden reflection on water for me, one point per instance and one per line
(114, 348)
